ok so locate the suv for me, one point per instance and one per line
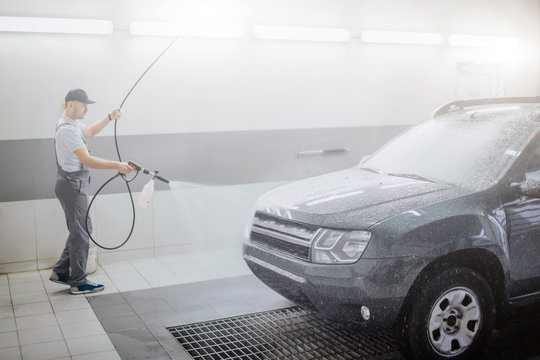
(436, 234)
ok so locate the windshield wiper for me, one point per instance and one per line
(412, 176)
(369, 169)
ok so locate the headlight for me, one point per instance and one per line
(339, 247)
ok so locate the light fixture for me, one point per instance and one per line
(55, 25)
(401, 37)
(482, 41)
(301, 33)
(155, 28)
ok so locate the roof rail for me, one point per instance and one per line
(460, 104)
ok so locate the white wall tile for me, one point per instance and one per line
(18, 266)
(114, 217)
(18, 236)
(51, 229)
(108, 257)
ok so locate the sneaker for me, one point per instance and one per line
(89, 287)
(59, 278)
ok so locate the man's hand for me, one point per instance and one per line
(115, 114)
(124, 168)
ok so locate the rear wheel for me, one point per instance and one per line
(450, 317)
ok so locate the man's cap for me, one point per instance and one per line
(78, 95)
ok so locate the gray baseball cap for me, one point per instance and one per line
(78, 95)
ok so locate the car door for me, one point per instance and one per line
(523, 226)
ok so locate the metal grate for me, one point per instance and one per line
(290, 333)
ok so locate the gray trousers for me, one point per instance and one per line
(72, 191)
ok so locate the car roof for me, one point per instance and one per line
(529, 106)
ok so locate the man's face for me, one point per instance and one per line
(77, 109)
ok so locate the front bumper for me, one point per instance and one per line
(338, 291)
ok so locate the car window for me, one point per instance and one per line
(472, 152)
(533, 163)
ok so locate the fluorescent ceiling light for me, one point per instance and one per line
(301, 33)
(482, 41)
(401, 37)
(55, 25)
(154, 28)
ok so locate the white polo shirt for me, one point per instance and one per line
(69, 138)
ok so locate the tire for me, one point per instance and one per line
(449, 317)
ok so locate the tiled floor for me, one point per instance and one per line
(41, 320)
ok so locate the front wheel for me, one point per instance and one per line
(450, 317)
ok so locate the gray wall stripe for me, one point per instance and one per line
(28, 168)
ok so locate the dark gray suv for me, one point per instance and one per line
(437, 233)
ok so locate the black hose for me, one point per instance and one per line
(120, 158)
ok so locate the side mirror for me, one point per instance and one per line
(529, 187)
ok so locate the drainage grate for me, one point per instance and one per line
(290, 333)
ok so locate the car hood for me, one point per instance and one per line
(352, 198)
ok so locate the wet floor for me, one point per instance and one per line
(137, 321)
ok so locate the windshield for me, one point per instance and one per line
(467, 152)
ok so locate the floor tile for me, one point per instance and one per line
(20, 299)
(45, 351)
(5, 300)
(7, 325)
(9, 339)
(36, 321)
(32, 309)
(89, 328)
(106, 300)
(141, 295)
(131, 344)
(12, 353)
(41, 335)
(121, 324)
(75, 316)
(116, 267)
(72, 303)
(150, 306)
(6, 312)
(3, 280)
(26, 288)
(24, 277)
(89, 344)
(114, 311)
(4, 290)
(107, 355)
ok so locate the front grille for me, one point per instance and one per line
(282, 334)
(283, 235)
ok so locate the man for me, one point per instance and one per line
(73, 178)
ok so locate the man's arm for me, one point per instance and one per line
(98, 163)
(96, 128)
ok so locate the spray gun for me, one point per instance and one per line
(148, 189)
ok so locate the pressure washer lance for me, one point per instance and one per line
(148, 189)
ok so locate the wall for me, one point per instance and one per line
(229, 113)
